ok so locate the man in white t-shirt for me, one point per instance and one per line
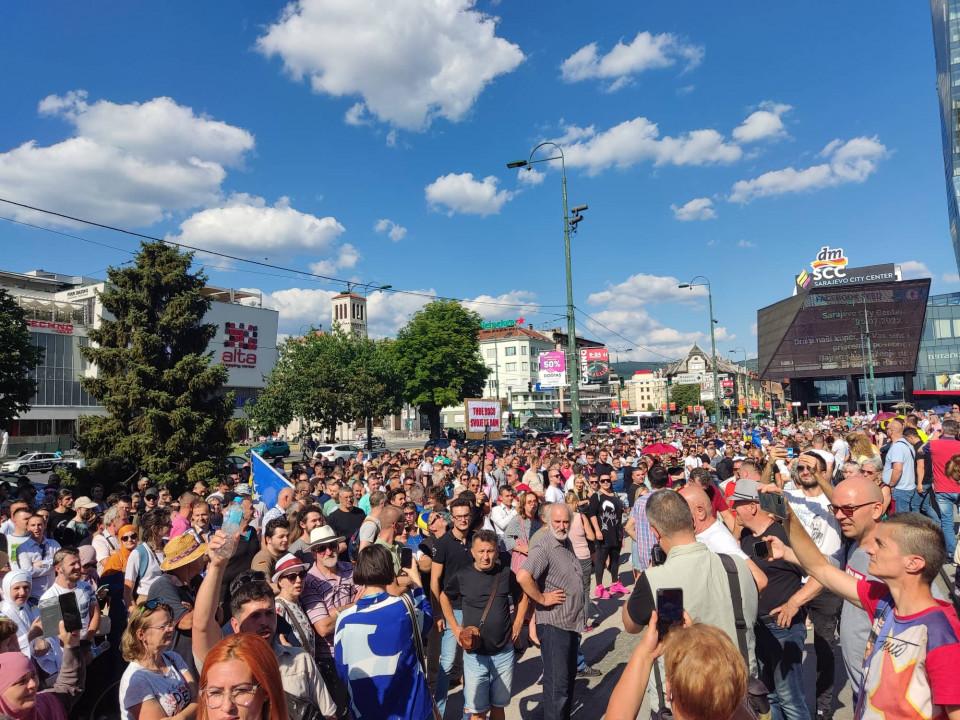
(554, 491)
(18, 533)
(66, 563)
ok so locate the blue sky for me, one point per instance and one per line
(368, 140)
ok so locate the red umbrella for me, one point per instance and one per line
(880, 417)
(659, 449)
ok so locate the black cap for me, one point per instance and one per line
(151, 492)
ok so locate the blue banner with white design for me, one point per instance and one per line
(267, 482)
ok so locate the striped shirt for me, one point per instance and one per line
(644, 534)
(554, 566)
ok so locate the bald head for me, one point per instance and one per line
(285, 497)
(700, 507)
(857, 490)
(864, 502)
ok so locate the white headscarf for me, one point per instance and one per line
(21, 615)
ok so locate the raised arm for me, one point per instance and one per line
(206, 631)
(816, 565)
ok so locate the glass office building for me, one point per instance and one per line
(946, 43)
(937, 379)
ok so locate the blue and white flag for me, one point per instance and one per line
(267, 482)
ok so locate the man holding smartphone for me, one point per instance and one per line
(66, 563)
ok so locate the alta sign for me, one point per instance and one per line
(240, 345)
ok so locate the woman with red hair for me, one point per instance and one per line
(241, 681)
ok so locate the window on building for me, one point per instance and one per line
(510, 350)
(511, 367)
(941, 328)
(524, 366)
(492, 353)
(523, 349)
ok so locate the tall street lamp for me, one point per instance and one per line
(713, 343)
(570, 221)
(744, 386)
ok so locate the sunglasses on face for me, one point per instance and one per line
(128, 538)
(299, 575)
(847, 510)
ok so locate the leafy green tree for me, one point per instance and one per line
(684, 395)
(167, 412)
(18, 359)
(438, 353)
(375, 387)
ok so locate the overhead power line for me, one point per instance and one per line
(529, 306)
(624, 337)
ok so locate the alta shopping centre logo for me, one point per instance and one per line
(239, 346)
(830, 264)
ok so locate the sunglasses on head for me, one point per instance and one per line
(155, 604)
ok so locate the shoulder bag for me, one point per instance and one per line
(757, 701)
(418, 646)
(470, 635)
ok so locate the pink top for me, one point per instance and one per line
(578, 538)
(178, 525)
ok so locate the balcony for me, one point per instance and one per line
(43, 310)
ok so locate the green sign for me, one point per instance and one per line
(833, 408)
(498, 324)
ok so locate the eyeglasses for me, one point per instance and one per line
(242, 695)
(299, 575)
(128, 538)
(847, 510)
(462, 516)
(165, 626)
(325, 548)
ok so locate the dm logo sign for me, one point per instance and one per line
(830, 264)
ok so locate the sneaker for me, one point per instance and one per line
(618, 588)
(601, 593)
(589, 672)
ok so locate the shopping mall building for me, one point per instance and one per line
(851, 337)
(61, 310)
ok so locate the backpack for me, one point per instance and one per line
(353, 543)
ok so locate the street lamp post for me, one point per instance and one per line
(713, 344)
(744, 386)
(616, 354)
(569, 223)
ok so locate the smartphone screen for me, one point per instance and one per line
(669, 609)
(790, 452)
(773, 503)
(70, 612)
(406, 557)
(761, 548)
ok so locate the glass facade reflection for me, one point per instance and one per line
(946, 42)
(58, 374)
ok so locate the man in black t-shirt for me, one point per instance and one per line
(346, 520)
(488, 668)
(451, 553)
(780, 628)
(635, 481)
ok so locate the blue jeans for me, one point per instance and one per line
(947, 502)
(448, 655)
(487, 680)
(906, 500)
(780, 652)
(558, 649)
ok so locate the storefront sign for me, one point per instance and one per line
(552, 369)
(947, 381)
(483, 416)
(501, 324)
(829, 269)
(594, 366)
(61, 328)
(240, 345)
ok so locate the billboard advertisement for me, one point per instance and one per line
(824, 333)
(482, 416)
(594, 366)
(830, 269)
(245, 342)
(552, 369)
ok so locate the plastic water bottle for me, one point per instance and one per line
(231, 528)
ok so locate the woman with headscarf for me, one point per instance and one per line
(16, 592)
(117, 563)
(19, 696)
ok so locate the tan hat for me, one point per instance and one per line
(84, 502)
(182, 550)
(323, 535)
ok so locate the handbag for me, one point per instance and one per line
(299, 708)
(470, 634)
(418, 647)
(757, 700)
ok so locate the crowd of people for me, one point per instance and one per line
(374, 586)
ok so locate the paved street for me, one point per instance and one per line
(608, 649)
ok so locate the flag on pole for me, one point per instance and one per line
(267, 482)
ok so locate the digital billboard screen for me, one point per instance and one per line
(823, 333)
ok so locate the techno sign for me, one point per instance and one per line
(501, 324)
(239, 346)
(823, 333)
(552, 369)
(594, 366)
(829, 269)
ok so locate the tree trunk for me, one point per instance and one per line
(433, 417)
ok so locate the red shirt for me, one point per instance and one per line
(938, 453)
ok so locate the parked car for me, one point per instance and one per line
(73, 459)
(234, 463)
(377, 442)
(271, 449)
(437, 444)
(332, 453)
(31, 462)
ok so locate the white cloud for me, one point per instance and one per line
(246, 222)
(513, 304)
(640, 289)
(347, 257)
(638, 140)
(645, 52)
(745, 244)
(763, 124)
(696, 209)
(530, 176)
(852, 161)
(914, 269)
(357, 115)
(460, 193)
(410, 61)
(951, 277)
(127, 164)
(393, 230)
(753, 329)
